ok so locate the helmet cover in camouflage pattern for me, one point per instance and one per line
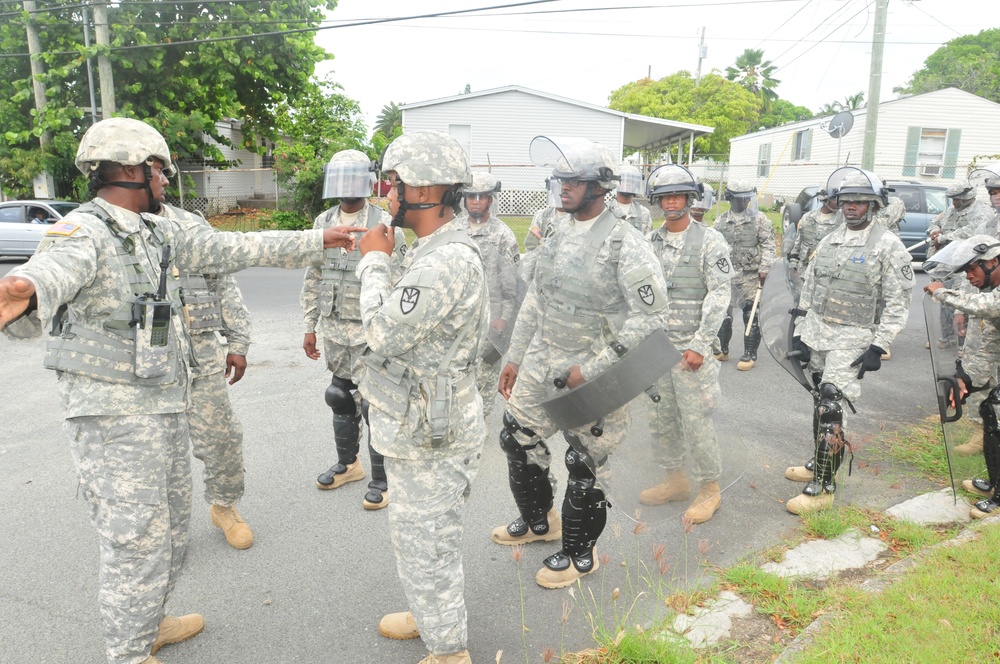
(671, 179)
(739, 188)
(854, 184)
(575, 159)
(124, 141)
(348, 174)
(988, 176)
(630, 181)
(957, 255)
(483, 182)
(427, 158)
(963, 191)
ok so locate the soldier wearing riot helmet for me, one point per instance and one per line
(424, 331)
(105, 278)
(624, 206)
(703, 204)
(979, 258)
(842, 335)
(543, 225)
(813, 227)
(751, 239)
(698, 271)
(597, 287)
(330, 301)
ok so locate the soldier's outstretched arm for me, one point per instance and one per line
(897, 288)
(982, 305)
(15, 298)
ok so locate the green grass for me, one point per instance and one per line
(790, 605)
(922, 446)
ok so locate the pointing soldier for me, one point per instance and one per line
(104, 277)
(624, 207)
(330, 301)
(423, 332)
(543, 226)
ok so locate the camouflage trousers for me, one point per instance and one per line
(217, 439)
(425, 526)
(487, 381)
(980, 362)
(344, 361)
(835, 367)
(135, 473)
(681, 423)
(745, 287)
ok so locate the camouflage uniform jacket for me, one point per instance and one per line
(751, 240)
(891, 216)
(635, 214)
(543, 226)
(423, 330)
(333, 327)
(626, 288)
(890, 279)
(959, 224)
(813, 227)
(77, 264)
(716, 272)
(208, 352)
(984, 311)
(501, 260)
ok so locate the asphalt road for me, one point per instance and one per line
(321, 571)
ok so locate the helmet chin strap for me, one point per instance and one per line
(154, 205)
(589, 196)
(679, 214)
(451, 199)
(987, 286)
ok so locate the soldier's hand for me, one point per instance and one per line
(507, 379)
(15, 297)
(691, 360)
(932, 287)
(235, 365)
(575, 378)
(340, 236)
(870, 360)
(499, 325)
(762, 276)
(309, 346)
(959, 321)
(378, 238)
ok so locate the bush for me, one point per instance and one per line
(290, 221)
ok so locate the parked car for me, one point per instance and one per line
(922, 201)
(23, 223)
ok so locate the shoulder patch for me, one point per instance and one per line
(63, 228)
(723, 265)
(408, 299)
(647, 295)
(907, 272)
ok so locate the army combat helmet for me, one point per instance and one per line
(127, 142)
(630, 180)
(673, 179)
(960, 255)
(989, 177)
(349, 174)
(426, 159)
(483, 184)
(854, 184)
(742, 197)
(577, 160)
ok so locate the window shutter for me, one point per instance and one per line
(951, 153)
(807, 148)
(912, 148)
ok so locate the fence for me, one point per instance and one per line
(213, 192)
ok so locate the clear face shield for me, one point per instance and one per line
(849, 180)
(348, 179)
(744, 203)
(955, 256)
(552, 195)
(631, 181)
(988, 177)
(705, 203)
(479, 205)
(570, 158)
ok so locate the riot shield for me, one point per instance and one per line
(777, 322)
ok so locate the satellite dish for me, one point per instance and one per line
(840, 124)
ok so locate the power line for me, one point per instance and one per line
(920, 9)
(839, 9)
(784, 23)
(863, 9)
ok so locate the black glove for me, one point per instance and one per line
(800, 350)
(870, 360)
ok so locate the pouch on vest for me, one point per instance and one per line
(152, 332)
(387, 386)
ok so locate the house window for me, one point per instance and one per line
(931, 149)
(803, 142)
(763, 160)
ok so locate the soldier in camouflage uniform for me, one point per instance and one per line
(501, 256)
(424, 331)
(751, 240)
(698, 271)
(842, 336)
(330, 300)
(219, 327)
(543, 226)
(123, 363)
(703, 204)
(624, 207)
(813, 227)
(978, 257)
(597, 286)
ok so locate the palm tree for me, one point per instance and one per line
(388, 119)
(853, 102)
(753, 72)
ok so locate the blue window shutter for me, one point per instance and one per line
(951, 153)
(912, 148)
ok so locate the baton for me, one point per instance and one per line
(753, 312)
(917, 245)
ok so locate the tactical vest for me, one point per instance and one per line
(686, 289)
(574, 312)
(390, 385)
(108, 353)
(340, 288)
(844, 295)
(742, 239)
(201, 307)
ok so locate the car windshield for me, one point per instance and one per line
(936, 201)
(64, 207)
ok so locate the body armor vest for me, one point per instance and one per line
(811, 235)
(201, 307)
(686, 289)
(742, 239)
(340, 288)
(845, 295)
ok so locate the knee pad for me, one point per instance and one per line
(828, 407)
(529, 482)
(339, 397)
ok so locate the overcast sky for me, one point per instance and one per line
(822, 47)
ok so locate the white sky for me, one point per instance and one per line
(822, 47)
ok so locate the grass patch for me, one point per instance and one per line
(789, 604)
(922, 445)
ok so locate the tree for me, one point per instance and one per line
(728, 107)
(754, 73)
(167, 70)
(850, 103)
(389, 119)
(968, 63)
(782, 112)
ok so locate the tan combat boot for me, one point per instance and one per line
(970, 486)
(746, 362)
(675, 487)
(722, 357)
(353, 473)
(151, 660)
(455, 658)
(400, 626)
(799, 474)
(803, 504)
(705, 503)
(523, 534)
(569, 571)
(973, 447)
(236, 530)
(174, 629)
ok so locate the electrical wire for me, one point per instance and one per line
(839, 9)
(911, 4)
(784, 23)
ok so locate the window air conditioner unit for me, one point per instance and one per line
(930, 169)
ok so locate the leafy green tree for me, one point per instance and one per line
(754, 73)
(782, 112)
(728, 107)
(970, 63)
(389, 119)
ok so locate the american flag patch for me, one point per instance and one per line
(63, 228)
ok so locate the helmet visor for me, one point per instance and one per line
(348, 179)
(956, 256)
(570, 158)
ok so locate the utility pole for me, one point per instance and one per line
(702, 54)
(90, 69)
(874, 86)
(103, 33)
(37, 70)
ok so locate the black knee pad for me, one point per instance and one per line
(585, 507)
(830, 440)
(529, 482)
(339, 398)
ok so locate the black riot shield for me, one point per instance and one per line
(954, 430)
(777, 322)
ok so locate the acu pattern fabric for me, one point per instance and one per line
(681, 422)
(424, 332)
(751, 240)
(543, 226)
(636, 214)
(813, 227)
(959, 224)
(130, 438)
